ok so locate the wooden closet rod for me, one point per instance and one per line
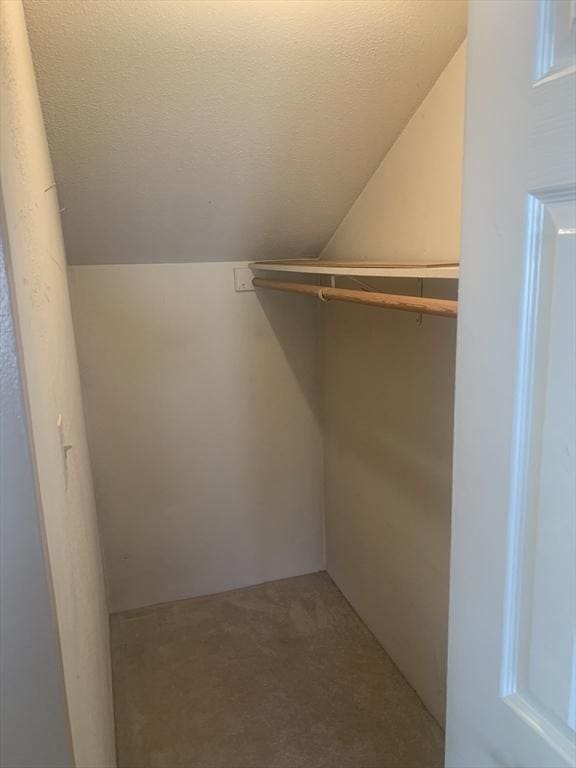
(419, 304)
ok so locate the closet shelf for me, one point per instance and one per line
(446, 270)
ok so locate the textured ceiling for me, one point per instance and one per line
(192, 130)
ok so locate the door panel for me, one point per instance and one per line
(557, 40)
(512, 650)
(540, 608)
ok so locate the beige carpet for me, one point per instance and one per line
(284, 675)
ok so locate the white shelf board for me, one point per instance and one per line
(358, 268)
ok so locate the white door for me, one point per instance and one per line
(512, 657)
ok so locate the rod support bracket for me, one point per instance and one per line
(420, 317)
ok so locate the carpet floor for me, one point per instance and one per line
(282, 675)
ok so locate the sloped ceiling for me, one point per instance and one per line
(192, 130)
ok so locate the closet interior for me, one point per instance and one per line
(260, 206)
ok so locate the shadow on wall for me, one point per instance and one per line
(388, 387)
(391, 382)
(280, 378)
(290, 317)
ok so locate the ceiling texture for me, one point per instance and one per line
(193, 130)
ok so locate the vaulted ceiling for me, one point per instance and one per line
(193, 130)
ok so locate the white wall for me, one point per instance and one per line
(34, 727)
(202, 410)
(44, 324)
(410, 209)
(388, 389)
